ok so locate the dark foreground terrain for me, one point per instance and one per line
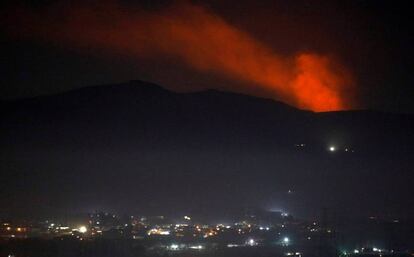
(133, 248)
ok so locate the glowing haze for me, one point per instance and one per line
(199, 38)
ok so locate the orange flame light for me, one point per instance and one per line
(200, 39)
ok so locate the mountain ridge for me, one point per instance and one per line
(140, 86)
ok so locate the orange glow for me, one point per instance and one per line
(202, 40)
(317, 87)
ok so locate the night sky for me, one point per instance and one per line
(362, 49)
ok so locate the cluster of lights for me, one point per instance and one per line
(158, 231)
(333, 148)
(177, 247)
(210, 230)
(374, 249)
(210, 233)
(293, 254)
(196, 247)
(174, 247)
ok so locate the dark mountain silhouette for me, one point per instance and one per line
(114, 146)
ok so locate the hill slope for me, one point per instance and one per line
(116, 146)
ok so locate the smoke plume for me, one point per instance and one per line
(200, 39)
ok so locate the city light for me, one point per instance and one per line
(158, 231)
(197, 247)
(251, 242)
(82, 229)
(285, 241)
(375, 249)
(293, 254)
(174, 247)
(170, 231)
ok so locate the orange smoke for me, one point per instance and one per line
(201, 39)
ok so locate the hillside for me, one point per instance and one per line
(137, 137)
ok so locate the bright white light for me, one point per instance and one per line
(375, 249)
(174, 246)
(356, 251)
(285, 241)
(291, 254)
(251, 242)
(332, 148)
(198, 247)
(82, 229)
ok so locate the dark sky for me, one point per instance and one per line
(371, 39)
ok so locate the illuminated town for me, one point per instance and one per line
(273, 232)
